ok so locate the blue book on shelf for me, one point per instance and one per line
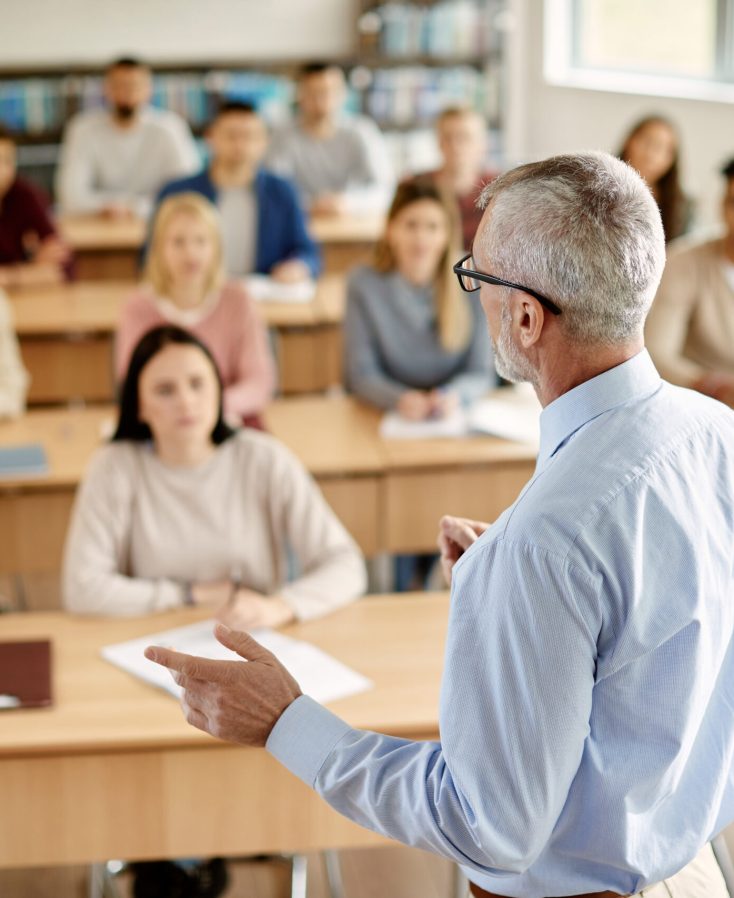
(29, 458)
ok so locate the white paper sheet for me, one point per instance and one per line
(395, 427)
(265, 289)
(319, 675)
(516, 417)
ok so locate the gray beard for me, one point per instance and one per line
(509, 362)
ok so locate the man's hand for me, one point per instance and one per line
(328, 204)
(455, 535)
(249, 609)
(238, 701)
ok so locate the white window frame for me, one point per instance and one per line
(560, 70)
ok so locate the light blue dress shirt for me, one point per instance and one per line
(587, 707)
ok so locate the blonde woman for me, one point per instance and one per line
(184, 285)
(413, 341)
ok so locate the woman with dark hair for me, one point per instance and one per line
(412, 340)
(182, 510)
(652, 147)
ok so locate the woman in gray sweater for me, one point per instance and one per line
(412, 340)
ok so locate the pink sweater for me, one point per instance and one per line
(231, 329)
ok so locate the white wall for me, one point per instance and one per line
(59, 32)
(548, 119)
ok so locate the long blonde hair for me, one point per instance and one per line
(452, 310)
(197, 206)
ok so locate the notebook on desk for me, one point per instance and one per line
(25, 674)
(16, 461)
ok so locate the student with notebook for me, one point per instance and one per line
(184, 284)
(114, 159)
(413, 341)
(30, 249)
(179, 509)
(13, 376)
(263, 225)
(339, 163)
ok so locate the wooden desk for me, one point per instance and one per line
(113, 770)
(66, 335)
(418, 480)
(389, 494)
(346, 240)
(104, 247)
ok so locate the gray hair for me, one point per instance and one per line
(583, 230)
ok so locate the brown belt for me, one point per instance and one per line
(483, 893)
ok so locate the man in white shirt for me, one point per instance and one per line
(340, 164)
(114, 160)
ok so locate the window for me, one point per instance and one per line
(674, 47)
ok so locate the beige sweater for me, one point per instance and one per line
(690, 329)
(140, 530)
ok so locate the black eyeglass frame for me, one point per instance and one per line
(460, 272)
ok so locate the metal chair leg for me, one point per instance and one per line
(461, 883)
(333, 873)
(299, 875)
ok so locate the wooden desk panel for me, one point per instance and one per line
(113, 742)
(66, 336)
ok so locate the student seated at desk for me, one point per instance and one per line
(30, 249)
(115, 159)
(13, 377)
(339, 163)
(263, 225)
(690, 328)
(185, 285)
(462, 140)
(412, 340)
(181, 510)
(652, 147)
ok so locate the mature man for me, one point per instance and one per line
(114, 159)
(339, 163)
(587, 733)
(263, 226)
(690, 330)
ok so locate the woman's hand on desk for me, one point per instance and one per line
(455, 535)
(231, 700)
(212, 592)
(415, 405)
(248, 609)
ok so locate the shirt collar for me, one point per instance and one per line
(632, 379)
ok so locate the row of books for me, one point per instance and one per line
(415, 95)
(42, 105)
(452, 28)
(395, 97)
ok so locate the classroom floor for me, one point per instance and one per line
(391, 872)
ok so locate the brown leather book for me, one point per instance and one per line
(25, 674)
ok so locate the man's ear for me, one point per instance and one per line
(528, 316)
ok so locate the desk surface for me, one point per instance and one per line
(95, 307)
(396, 641)
(88, 233)
(332, 436)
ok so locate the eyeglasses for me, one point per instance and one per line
(470, 282)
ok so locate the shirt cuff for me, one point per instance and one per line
(304, 737)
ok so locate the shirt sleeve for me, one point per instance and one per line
(13, 376)
(75, 180)
(330, 567)
(254, 368)
(666, 329)
(37, 213)
(364, 373)
(515, 706)
(373, 182)
(95, 555)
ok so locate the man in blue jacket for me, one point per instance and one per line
(263, 225)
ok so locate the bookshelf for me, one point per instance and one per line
(408, 62)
